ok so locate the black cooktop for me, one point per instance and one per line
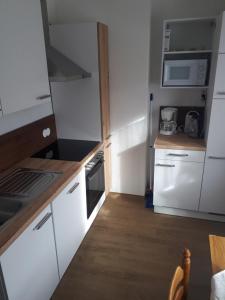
(64, 149)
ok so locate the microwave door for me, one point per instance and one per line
(184, 72)
(178, 74)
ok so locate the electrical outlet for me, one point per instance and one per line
(46, 132)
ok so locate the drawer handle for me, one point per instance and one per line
(165, 165)
(221, 93)
(108, 137)
(43, 221)
(108, 145)
(216, 157)
(43, 97)
(177, 155)
(73, 188)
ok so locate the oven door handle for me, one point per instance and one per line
(93, 172)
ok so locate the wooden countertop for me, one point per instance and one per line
(15, 226)
(217, 250)
(179, 141)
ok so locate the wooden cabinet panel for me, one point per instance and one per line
(104, 96)
(104, 78)
(23, 64)
(70, 217)
(107, 156)
(29, 265)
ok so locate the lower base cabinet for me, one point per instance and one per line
(213, 186)
(177, 184)
(178, 178)
(29, 265)
(70, 218)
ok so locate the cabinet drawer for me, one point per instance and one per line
(180, 155)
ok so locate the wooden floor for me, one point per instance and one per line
(131, 253)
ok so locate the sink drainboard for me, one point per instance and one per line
(25, 182)
(19, 187)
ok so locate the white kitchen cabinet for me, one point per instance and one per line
(216, 138)
(29, 265)
(24, 76)
(70, 217)
(177, 184)
(222, 34)
(219, 85)
(213, 187)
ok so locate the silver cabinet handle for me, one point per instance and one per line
(165, 165)
(73, 188)
(221, 93)
(43, 221)
(178, 155)
(108, 145)
(43, 97)
(216, 157)
(108, 137)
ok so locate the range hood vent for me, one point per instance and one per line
(60, 67)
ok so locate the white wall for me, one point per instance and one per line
(129, 33)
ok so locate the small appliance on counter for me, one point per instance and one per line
(168, 124)
(191, 127)
(189, 120)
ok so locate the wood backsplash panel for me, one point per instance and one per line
(25, 141)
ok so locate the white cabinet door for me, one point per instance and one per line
(69, 217)
(222, 35)
(23, 76)
(219, 85)
(213, 187)
(177, 184)
(216, 136)
(29, 265)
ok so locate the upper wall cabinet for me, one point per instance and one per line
(186, 53)
(24, 76)
(222, 34)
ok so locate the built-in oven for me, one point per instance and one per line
(95, 181)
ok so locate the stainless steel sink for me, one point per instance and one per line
(20, 187)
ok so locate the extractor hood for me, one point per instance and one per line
(60, 67)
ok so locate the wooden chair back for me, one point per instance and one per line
(180, 280)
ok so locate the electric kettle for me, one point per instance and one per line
(191, 127)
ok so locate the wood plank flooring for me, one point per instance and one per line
(131, 253)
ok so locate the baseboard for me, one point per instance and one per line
(188, 213)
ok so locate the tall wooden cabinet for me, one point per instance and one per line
(104, 98)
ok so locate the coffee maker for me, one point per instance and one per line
(168, 125)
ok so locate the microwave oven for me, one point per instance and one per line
(192, 72)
